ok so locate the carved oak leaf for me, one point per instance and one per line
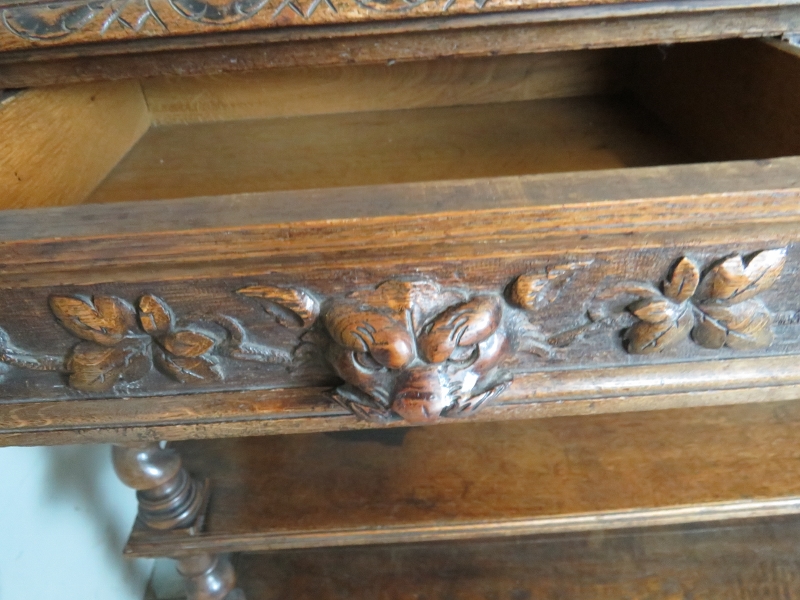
(734, 281)
(95, 368)
(187, 343)
(742, 326)
(291, 307)
(647, 337)
(683, 281)
(385, 339)
(187, 369)
(535, 290)
(463, 325)
(155, 315)
(102, 319)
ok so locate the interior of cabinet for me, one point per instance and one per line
(746, 559)
(293, 129)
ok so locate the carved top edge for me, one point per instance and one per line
(29, 25)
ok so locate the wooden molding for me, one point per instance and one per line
(89, 54)
(30, 24)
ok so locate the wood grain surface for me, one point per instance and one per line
(491, 479)
(372, 148)
(358, 88)
(748, 561)
(59, 143)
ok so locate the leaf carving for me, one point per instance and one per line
(187, 343)
(742, 326)
(301, 309)
(683, 281)
(655, 310)
(462, 325)
(102, 319)
(534, 290)
(187, 369)
(647, 338)
(95, 368)
(154, 315)
(388, 341)
(734, 281)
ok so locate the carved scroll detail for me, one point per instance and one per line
(716, 309)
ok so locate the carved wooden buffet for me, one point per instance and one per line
(339, 220)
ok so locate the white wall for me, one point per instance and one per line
(64, 519)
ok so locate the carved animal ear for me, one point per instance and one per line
(291, 307)
(387, 340)
(464, 324)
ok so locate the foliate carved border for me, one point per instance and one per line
(410, 349)
(35, 24)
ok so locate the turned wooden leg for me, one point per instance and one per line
(209, 577)
(168, 497)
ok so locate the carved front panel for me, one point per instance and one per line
(439, 343)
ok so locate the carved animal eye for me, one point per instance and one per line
(464, 356)
(365, 361)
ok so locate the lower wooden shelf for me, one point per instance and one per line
(751, 560)
(484, 480)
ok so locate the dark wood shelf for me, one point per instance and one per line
(480, 480)
(754, 560)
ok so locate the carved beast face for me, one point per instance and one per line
(412, 350)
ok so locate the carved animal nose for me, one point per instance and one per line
(419, 395)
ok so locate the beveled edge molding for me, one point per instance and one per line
(144, 544)
(409, 350)
(540, 394)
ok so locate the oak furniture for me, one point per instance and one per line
(342, 220)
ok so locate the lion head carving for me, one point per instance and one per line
(414, 351)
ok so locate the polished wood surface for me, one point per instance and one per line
(748, 561)
(169, 498)
(483, 480)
